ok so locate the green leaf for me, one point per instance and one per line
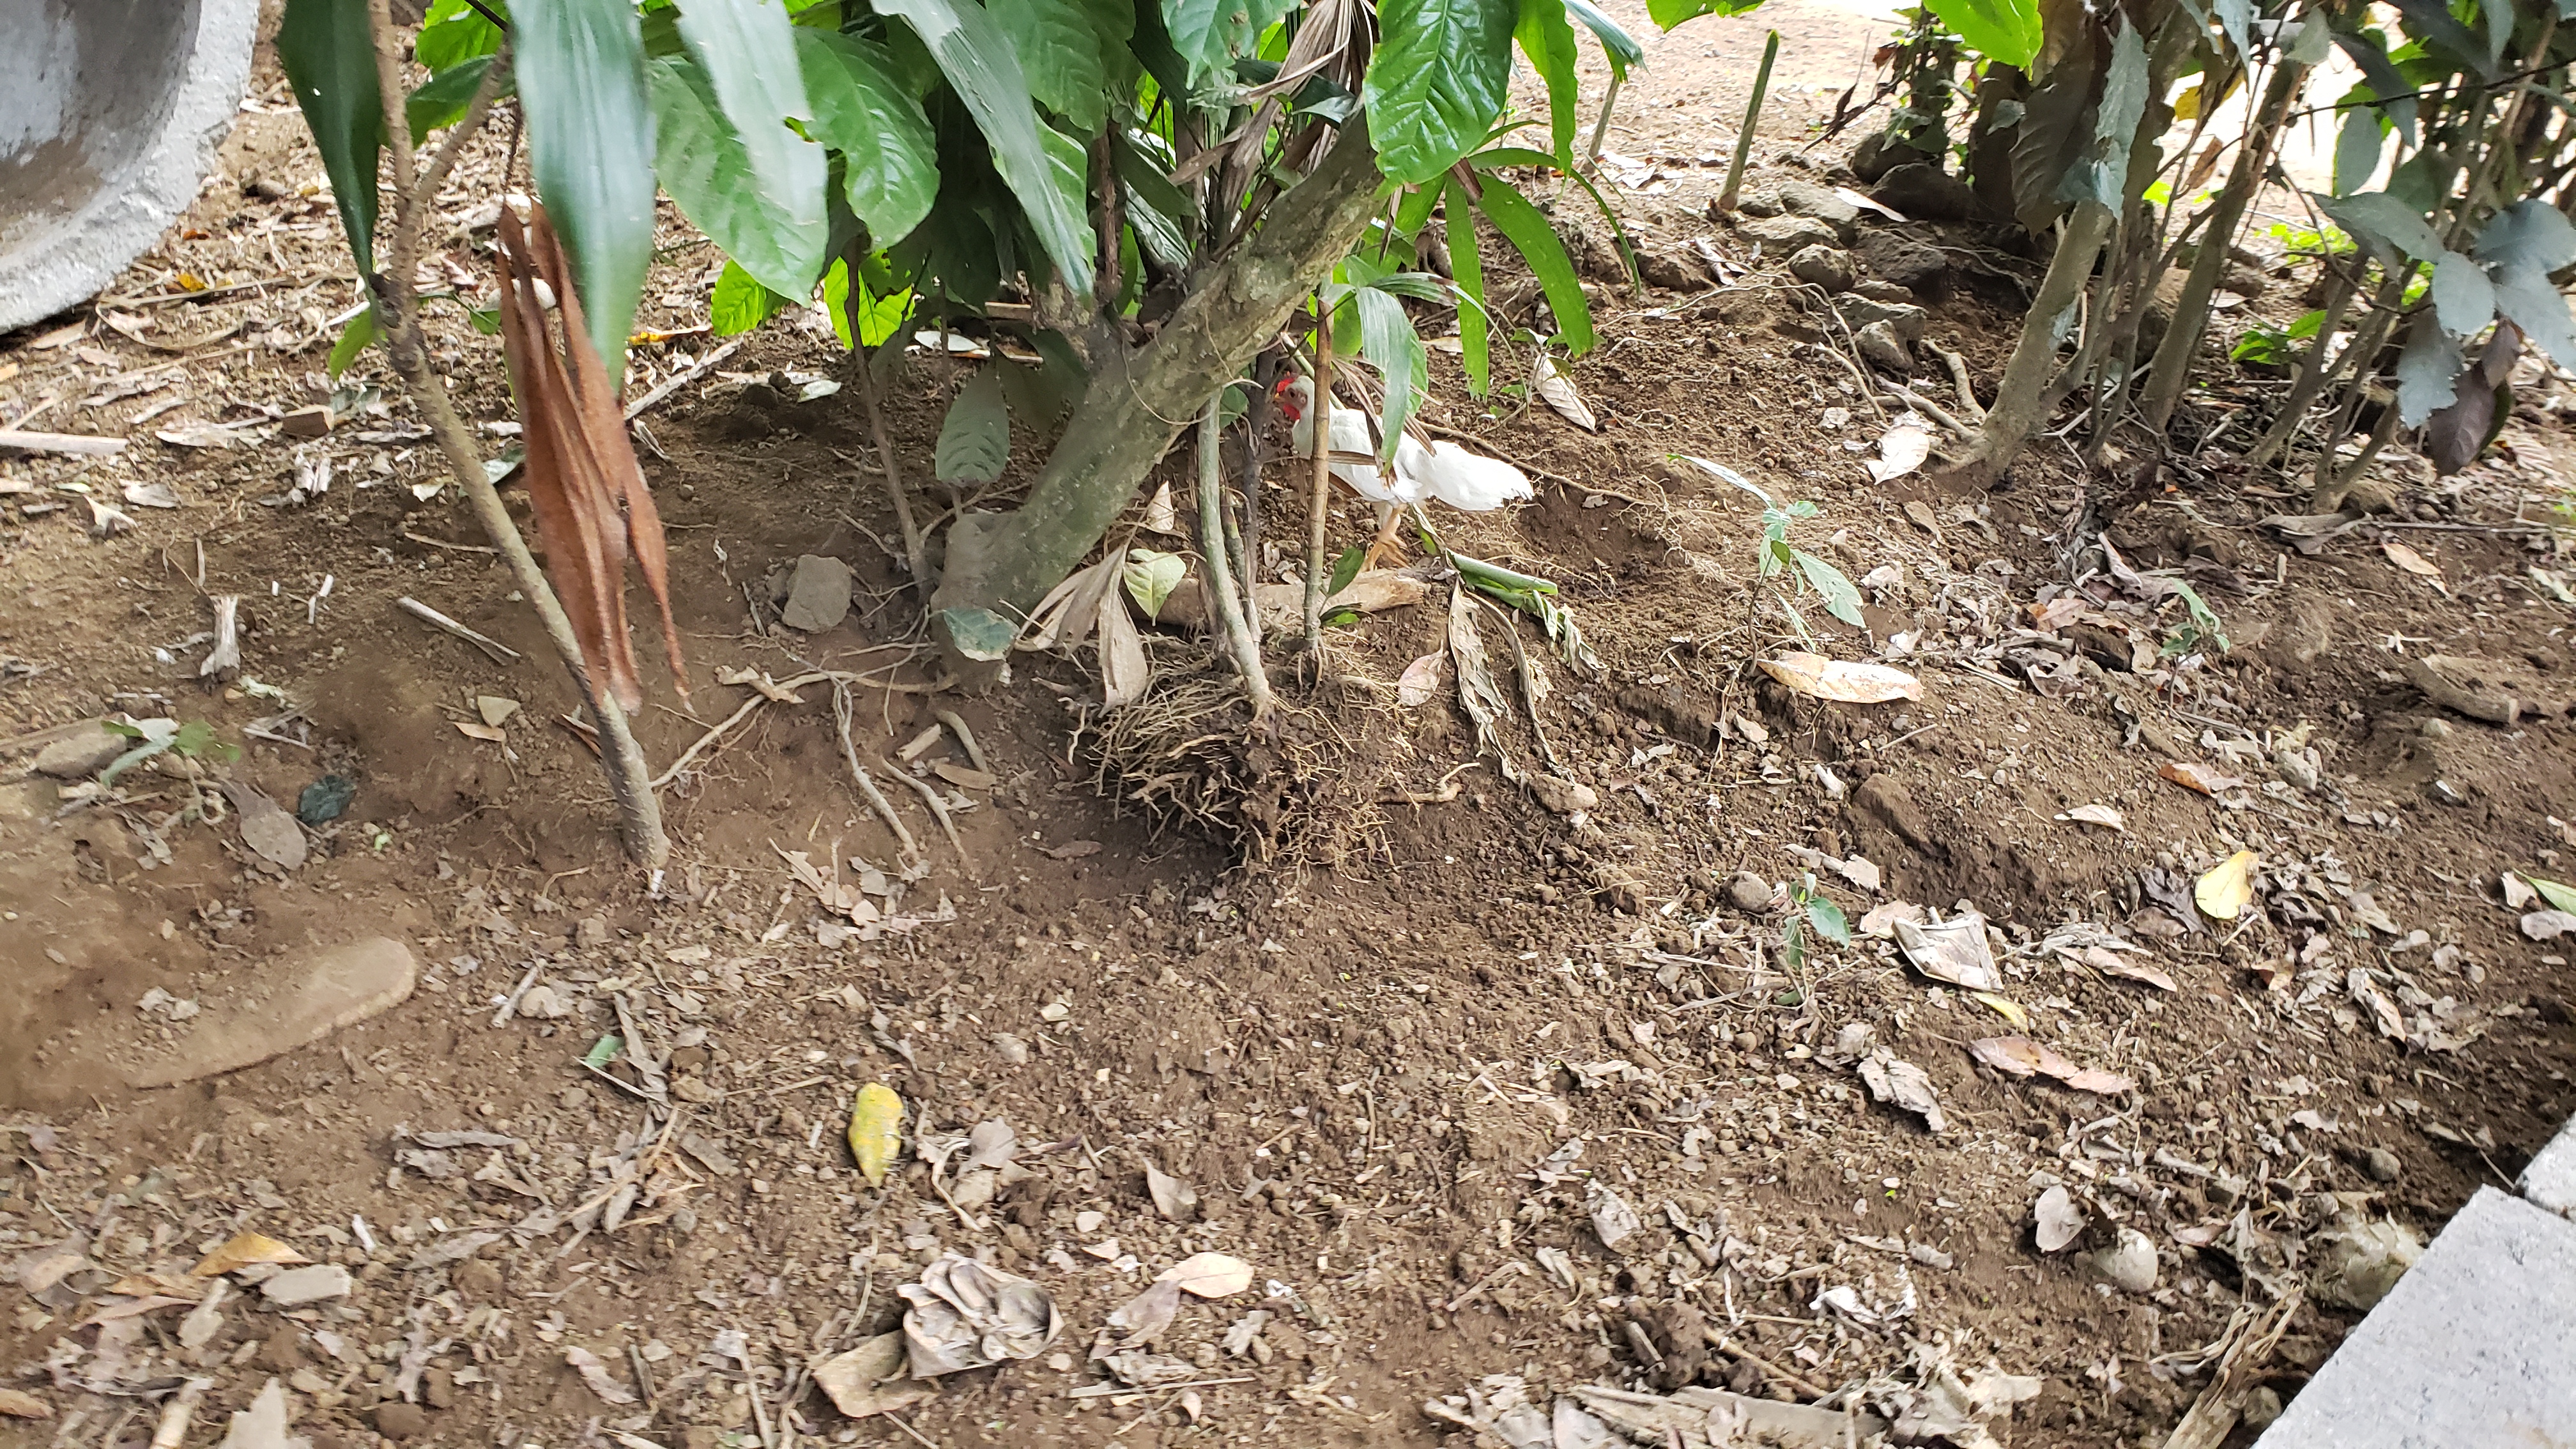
(1548, 41)
(979, 633)
(580, 67)
(880, 317)
(2530, 233)
(2356, 154)
(2524, 295)
(2462, 296)
(454, 32)
(2560, 898)
(889, 155)
(2431, 24)
(1539, 246)
(2395, 96)
(1841, 599)
(1346, 567)
(603, 1051)
(354, 339)
(1440, 75)
(2103, 177)
(716, 182)
(1467, 269)
(1617, 46)
(1209, 34)
(1057, 52)
(2427, 371)
(1669, 13)
(976, 57)
(2000, 30)
(1829, 921)
(740, 302)
(330, 61)
(442, 99)
(975, 439)
(1150, 577)
(2385, 224)
(1388, 341)
(747, 51)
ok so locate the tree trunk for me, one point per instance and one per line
(1138, 402)
(2023, 397)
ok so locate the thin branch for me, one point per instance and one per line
(488, 91)
(915, 556)
(1319, 496)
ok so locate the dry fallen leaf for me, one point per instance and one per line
(18, 1404)
(2003, 1006)
(2019, 1056)
(1176, 1200)
(2055, 1219)
(242, 1250)
(2096, 815)
(594, 1372)
(1557, 391)
(1839, 680)
(2411, 561)
(1955, 951)
(2197, 777)
(1070, 850)
(1420, 682)
(1900, 1083)
(876, 1130)
(1142, 1319)
(476, 730)
(872, 1379)
(1210, 1275)
(2228, 888)
(1901, 450)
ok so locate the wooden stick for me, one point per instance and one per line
(500, 653)
(1319, 498)
(76, 443)
(868, 787)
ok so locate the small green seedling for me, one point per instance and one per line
(1810, 911)
(194, 740)
(1776, 558)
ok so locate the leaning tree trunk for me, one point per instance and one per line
(1138, 402)
(2023, 398)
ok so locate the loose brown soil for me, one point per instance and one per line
(1359, 1052)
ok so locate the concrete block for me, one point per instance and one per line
(2470, 1348)
(2549, 1179)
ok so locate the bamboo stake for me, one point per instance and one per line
(407, 347)
(1319, 498)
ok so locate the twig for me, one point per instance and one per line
(690, 754)
(938, 808)
(175, 1414)
(908, 1429)
(510, 1003)
(444, 543)
(500, 653)
(129, 304)
(867, 787)
(1926, 407)
(684, 377)
(965, 737)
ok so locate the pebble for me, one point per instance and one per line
(2129, 1264)
(401, 1421)
(2382, 1165)
(1748, 892)
(298, 1286)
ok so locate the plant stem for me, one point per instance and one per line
(915, 556)
(1752, 115)
(1220, 580)
(629, 779)
(1601, 127)
(1319, 495)
(2022, 396)
(1256, 454)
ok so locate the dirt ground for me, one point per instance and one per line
(1402, 1067)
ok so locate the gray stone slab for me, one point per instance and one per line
(2476, 1346)
(2550, 1178)
(312, 997)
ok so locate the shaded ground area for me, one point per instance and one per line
(1403, 1068)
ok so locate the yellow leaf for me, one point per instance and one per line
(2005, 1007)
(876, 1130)
(2187, 105)
(190, 282)
(2223, 893)
(242, 1250)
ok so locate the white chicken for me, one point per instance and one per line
(1469, 482)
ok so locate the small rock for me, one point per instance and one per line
(2435, 729)
(1884, 292)
(1916, 266)
(1760, 201)
(1805, 198)
(1748, 892)
(1665, 270)
(2360, 1260)
(1879, 345)
(307, 422)
(82, 755)
(1783, 236)
(1561, 795)
(1824, 266)
(543, 1002)
(438, 1389)
(818, 594)
(1860, 310)
(306, 1381)
(1011, 1049)
(1876, 155)
(2381, 1164)
(2261, 1407)
(310, 1284)
(401, 1421)
(281, 1354)
(592, 932)
(1925, 192)
(2128, 1264)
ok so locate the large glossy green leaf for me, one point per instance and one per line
(1437, 80)
(1059, 54)
(977, 59)
(2103, 175)
(2432, 25)
(880, 317)
(741, 303)
(580, 65)
(442, 99)
(1389, 343)
(331, 63)
(746, 49)
(454, 32)
(1548, 41)
(1209, 34)
(1467, 269)
(1617, 45)
(1539, 246)
(2462, 296)
(2000, 30)
(889, 160)
(975, 438)
(1669, 13)
(705, 169)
